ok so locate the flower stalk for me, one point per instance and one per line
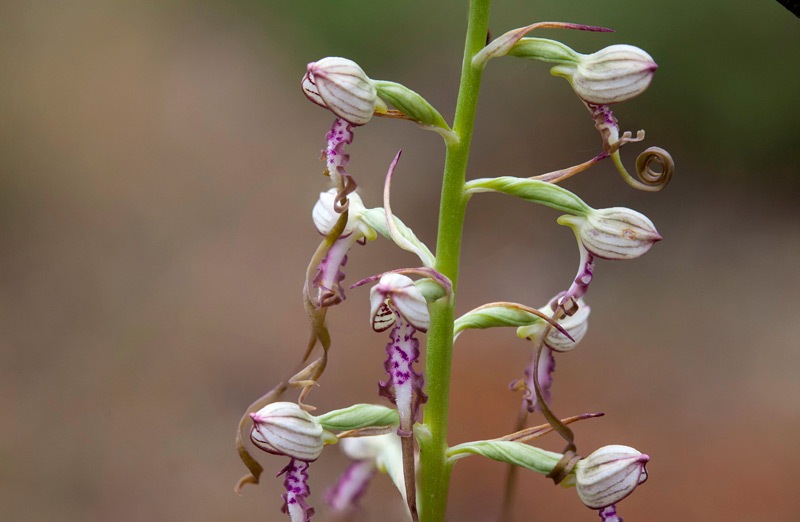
(434, 469)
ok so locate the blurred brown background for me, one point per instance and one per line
(158, 164)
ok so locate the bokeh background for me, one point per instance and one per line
(158, 164)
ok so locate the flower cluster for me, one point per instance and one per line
(396, 438)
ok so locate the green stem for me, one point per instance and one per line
(434, 470)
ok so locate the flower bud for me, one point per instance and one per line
(283, 428)
(614, 233)
(341, 86)
(511, 452)
(609, 474)
(611, 75)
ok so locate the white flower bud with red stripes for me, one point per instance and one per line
(341, 86)
(609, 474)
(611, 75)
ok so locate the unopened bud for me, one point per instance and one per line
(341, 86)
(283, 428)
(611, 75)
(609, 474)
(614, 233)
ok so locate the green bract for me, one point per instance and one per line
(496, 315)
(516, 453)
(410, 103)
(545, 50)
(358, 416)
(532, 190)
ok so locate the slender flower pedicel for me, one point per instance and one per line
(407, 437)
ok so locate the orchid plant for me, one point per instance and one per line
(408, 439)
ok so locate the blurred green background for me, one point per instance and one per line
(158, 164)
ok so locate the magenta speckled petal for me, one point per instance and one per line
(296, 483)
(404, 386)
(339, 135)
